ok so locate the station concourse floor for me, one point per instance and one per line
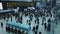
(41, 27)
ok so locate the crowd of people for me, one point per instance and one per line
(43, 15)
(35, 29)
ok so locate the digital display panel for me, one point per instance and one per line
(19, 4)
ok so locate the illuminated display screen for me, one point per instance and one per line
(20, 4)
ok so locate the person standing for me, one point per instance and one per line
(1, 24)
(49, 25)
(45, 26)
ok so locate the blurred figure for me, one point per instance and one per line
(49, 26)
(1, 24)
(35, 32)
(45, 26)
(38, 22)
(19, 19)
(35, 21)
(37, 27)
(56, 21)
(31, 17)
(29, 24)
(7, 20)
(11, 18)
(4, 18)
(49, 20)
(27, 21)
(33, 28)
(16, 15)
(39, 32)
(43, 19)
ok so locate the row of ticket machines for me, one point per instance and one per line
(17, 28)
